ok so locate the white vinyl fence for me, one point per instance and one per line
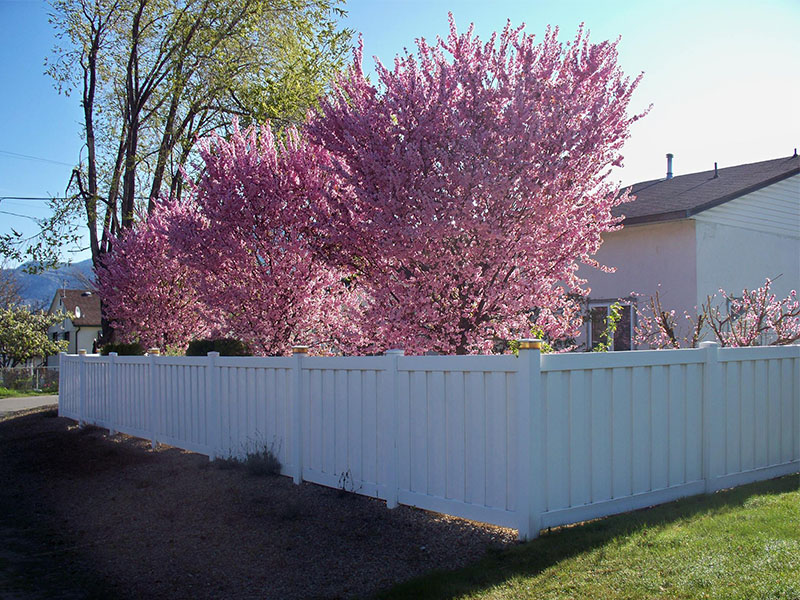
(525, 442)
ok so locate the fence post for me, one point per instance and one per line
(213, 408)
(796, 407)
(61, 388)
(713, 422)
(298, 352)
(113, 392)
(530, 420)
(152, 353)
(391, 393)
(82, 387)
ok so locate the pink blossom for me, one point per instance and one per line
(470, 182)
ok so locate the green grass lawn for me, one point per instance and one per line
(737, 544)
(7, 393)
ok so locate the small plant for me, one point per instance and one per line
(606, 341)
(260, 463)
(263, 463)
(347, 485)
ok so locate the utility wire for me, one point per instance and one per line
(39, 158)
(13, 214)
(34, 198)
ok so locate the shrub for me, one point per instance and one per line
(260, 463)
(132, 349)
(225, 347)
(263, 462)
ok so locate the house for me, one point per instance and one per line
(82, 329)
(688, 236)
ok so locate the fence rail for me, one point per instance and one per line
(526, 442)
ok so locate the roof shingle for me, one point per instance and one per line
(685, 195)
(89, 304)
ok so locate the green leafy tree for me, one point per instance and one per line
(23, 335)
(153, 75)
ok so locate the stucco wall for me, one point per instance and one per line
(646, 256)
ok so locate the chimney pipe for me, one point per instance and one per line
(716, 173)
(669, 166)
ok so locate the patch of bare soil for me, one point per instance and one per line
(85, 515)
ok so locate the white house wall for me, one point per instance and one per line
(648, 258)
(735, 258)
(774, 209)
(744, 241)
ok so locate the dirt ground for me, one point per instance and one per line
(85, 515)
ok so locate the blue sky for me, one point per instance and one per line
(722, 77)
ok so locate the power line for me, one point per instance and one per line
(39, 158)
(13, 214)
(31, 198)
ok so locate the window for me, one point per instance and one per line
(598, 313)
(66, 336)
(55, 336)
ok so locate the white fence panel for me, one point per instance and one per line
(69, 388)
(457, 436)
(526, 442)
(760, 395)
(346, 421)
(622, 431)
(132, 395)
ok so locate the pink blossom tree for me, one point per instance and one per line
(755, 318)
(149, 292)
(472, 181)
(253, 244)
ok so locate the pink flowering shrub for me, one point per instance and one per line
(472, 180)
(253, 244)
(755, 318)
(149, 293)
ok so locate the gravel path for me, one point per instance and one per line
(84, 515)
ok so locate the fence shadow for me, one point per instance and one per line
(559, 544)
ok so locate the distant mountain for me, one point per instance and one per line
(39, 289)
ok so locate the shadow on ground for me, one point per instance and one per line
(85, 515)
(553, 546)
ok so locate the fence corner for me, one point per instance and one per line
(391, 393)
(529, 443)
(298, 353)
(712, 417)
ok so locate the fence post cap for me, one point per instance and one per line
(395, 352)
(212, 353)
(299, 349)
(709, 345)
(530, 344)
(82, 352)
(113, 354)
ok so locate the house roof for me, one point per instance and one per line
(84, 302)
(686, 195)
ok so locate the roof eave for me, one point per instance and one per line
(674, 215)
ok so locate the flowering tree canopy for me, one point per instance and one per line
(149, 292)
(253, 242)
(472, 181)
